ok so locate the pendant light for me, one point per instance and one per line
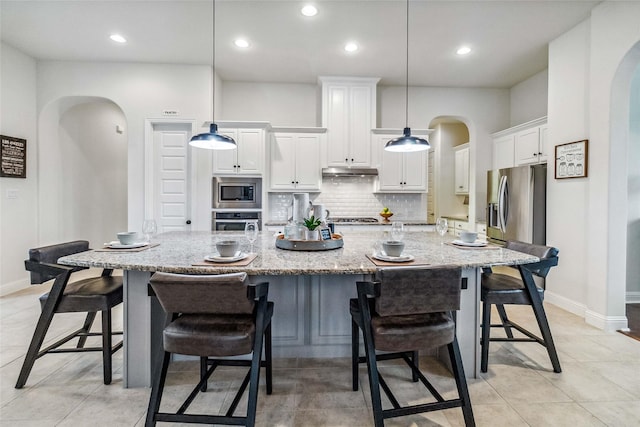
(406, 142)
(213, 140)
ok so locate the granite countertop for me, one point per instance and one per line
(338, 224)
(178, 251)
(457, 218)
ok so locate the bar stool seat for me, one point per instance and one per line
(92, 294)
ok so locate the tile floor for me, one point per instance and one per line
(599, 385)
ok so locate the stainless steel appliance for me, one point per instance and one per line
(233, 220)
(517, 204)
(237, 193)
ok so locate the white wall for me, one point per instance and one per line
(633, 224)
(93, 172)
(18, 217)
(280, 104)
(529, 98)
(567, 199)
(588, 215)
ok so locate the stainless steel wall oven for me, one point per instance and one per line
(234, 221)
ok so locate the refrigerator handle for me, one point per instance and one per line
(502, 204)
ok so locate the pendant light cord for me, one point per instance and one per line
(213, 62)
(406, 94)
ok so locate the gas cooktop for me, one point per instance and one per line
(363, 219)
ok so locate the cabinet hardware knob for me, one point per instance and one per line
(188, 221)
(539, 153)
(535, 154)
(352, 160)
(297, 182)
(346, 160)
(293, 182)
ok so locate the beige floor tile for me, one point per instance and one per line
(557, 414)
(624, 374)
(618, 414)
(494, 415)
(583, 384)
(508, 381)
(343, 418)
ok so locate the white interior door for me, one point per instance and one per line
(171, 175)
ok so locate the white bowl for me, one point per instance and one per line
(393, 247)
(127, 237)
(227, 248)
(468, 236)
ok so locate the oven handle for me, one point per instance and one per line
(234, 221)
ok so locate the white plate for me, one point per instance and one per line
(117, 245)
(401, 258)
(477, 243)
(217, 258)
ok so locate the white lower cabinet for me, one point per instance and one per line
(457, 226)
(295, 162)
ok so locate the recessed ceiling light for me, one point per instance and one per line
(309, 10)
(117, 38)
(463, 50)
(351, 47)
(241, 43)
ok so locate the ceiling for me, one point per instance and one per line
(509, 39)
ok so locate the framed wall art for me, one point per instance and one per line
(571, 160)
(13, 157)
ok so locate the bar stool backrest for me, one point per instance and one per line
(541, 251)
(405, 291)
(192, 294)
(50, 255)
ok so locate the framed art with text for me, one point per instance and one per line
(13, 157)
(571, 160)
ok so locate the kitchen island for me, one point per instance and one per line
(310, 289)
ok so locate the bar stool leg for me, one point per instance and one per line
(268, 359)
(158, 387)
(355, 354)
(86, 328)
(106, 345)
(484, 343)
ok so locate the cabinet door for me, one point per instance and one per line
(225, 161)
(337, 123)
(526, 146)
(390, 175)
(250, 151)
(308, 172)
(282, 162)
(360, 125)
(503, 156)
(415, 171)
(462, 171)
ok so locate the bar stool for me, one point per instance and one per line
(501, 289)
(213, 317)
(403, 310)
(91, 295)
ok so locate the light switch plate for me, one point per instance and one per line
(12, 194)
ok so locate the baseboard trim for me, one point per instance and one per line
(633, 298)
(565, 304)
(606, 323)
(11, 287)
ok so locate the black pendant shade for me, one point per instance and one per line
(213, 140)
(407, 143)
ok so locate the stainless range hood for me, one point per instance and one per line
(345, 171)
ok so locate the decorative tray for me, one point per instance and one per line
(310, 245)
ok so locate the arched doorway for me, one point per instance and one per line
(624, 174)
(450, 133)
(82, 155)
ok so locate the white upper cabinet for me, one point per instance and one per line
(521, 145)
(400, 172)
(248, 158)
(295, 161)
(349, 114)
(461, 165)
(530, 146)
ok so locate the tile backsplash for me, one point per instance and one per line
(354, 197)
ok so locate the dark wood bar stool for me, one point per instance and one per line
(91, 295)
(501, 289)
(407, 309)
(213, 317)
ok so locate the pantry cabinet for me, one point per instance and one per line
(349, 114)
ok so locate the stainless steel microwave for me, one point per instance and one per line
(237, 193)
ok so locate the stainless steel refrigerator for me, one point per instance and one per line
(517, 204)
